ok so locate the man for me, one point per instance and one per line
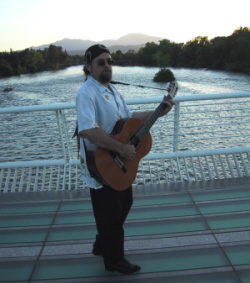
(99, 106)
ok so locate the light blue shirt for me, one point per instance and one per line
(97, 106)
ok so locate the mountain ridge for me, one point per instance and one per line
(78, 46)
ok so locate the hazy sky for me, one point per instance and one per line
(26, 23)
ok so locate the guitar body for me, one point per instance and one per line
(107, 167)
(111, 173)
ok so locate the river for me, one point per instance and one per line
(52, 87)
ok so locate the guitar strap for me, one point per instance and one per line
(77, 140)
(90, 157)
(90, 154)
(90, 160)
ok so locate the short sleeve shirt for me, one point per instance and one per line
(97, 106)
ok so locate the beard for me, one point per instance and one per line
(105, 76)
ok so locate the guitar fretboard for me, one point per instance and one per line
(148, 124)
(172, 90)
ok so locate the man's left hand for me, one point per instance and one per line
(169, 104)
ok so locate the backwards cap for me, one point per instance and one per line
(95, 50)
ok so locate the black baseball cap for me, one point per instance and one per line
(95, 50)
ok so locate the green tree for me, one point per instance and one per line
(130, 56)
(118, 55)
(145, 56)
(196, 53)
(31, 61)
(239, 58)
(219, 51)
(5, 69)
(164, 75)
(161, 59)
(55, 58)
(202, 52)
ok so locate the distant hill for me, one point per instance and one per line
(78, 46)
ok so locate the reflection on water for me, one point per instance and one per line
(60, 86)
(34, 136)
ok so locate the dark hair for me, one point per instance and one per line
(91, 53)
(85, 70)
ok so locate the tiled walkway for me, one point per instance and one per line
(189, 232)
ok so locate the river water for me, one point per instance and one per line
(52, 87)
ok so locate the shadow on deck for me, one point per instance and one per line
(186, 232)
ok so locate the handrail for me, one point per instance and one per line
(130, 101)
(205, 136)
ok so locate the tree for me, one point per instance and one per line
(55, 58)
(164, 75)
(5, 69)
(162, 60)
(202, 52)
(196, 53)
(145, 54)
(118, 55)
(219, 51)
(239, 57)
(31, 61)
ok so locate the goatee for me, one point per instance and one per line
(105, 77)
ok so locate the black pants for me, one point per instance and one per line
(111, 208)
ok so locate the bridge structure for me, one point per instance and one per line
(190, 221)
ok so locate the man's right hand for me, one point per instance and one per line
(127, 151)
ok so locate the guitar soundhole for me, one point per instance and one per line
(135, 141)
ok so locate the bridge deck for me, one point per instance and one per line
(192, 232)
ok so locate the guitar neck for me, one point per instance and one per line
(144, 129)
(148, 123)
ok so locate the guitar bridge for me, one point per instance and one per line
(118, 161)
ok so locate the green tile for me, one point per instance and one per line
(28, 207)
(23, 236)
(79, 217)
(238, 255)
(150, 263)
(26, 220)
(75, 205)
(165, 226)
(70, 268)
(72, 233)
(223, 207)
(215, 277)
(162, 212)
(162, 199)
(244, 276)
(229, 221)
(15, 271)
(219, 195)
(131, 229)
(182, 260)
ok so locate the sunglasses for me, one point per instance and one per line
(102, 62)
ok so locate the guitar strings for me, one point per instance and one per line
(149, 122)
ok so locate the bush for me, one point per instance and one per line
(164, 75)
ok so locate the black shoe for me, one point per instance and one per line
(96, 251)
(123, 266)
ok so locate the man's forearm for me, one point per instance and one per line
(145, 114)
(101, 139)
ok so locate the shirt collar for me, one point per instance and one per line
(100, 86)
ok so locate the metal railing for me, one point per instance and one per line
(203, 137)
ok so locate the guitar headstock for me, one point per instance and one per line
(172, 89)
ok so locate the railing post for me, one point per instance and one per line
(176, 126)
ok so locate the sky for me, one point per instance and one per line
(27, 23)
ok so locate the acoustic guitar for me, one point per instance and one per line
(116, 171)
